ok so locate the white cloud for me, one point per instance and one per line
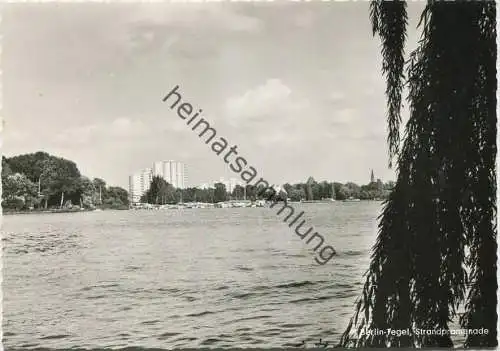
(205, 17)
(274, 115)
(273, 98)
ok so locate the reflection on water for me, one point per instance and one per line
(236, 277)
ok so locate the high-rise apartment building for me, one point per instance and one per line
(134, 188)
(158, 168)
(139, 184)
(173, 172)
(146, 178)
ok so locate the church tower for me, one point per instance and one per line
(372, 177)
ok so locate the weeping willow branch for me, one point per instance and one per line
(481, 204)
(389, 21)
(443, 203)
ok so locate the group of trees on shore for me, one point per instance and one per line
(313, 190)
(42, 181)
(161, 192)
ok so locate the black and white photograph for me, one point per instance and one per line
(248, 174)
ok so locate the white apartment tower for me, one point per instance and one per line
(146, 178)
(139, 183)
(173, 172)
(134, 188)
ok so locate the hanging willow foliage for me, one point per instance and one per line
(439, 222)
(389, 19)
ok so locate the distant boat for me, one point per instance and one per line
(222, 205)
(259, 203)
(322, 201)
(351, 199)
(327, 200)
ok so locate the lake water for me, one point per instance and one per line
(236, 277)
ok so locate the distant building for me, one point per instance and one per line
(158, 168)
(134, 188)
(146, 178)
(173, 172)
(139, 183)
(372, 177)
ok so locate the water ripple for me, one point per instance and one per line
(136, 280)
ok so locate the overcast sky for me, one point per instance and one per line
(297, 86)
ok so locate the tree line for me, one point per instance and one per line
(161, 192)
(42, 181)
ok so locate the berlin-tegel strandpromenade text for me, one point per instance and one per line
(239, 165)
